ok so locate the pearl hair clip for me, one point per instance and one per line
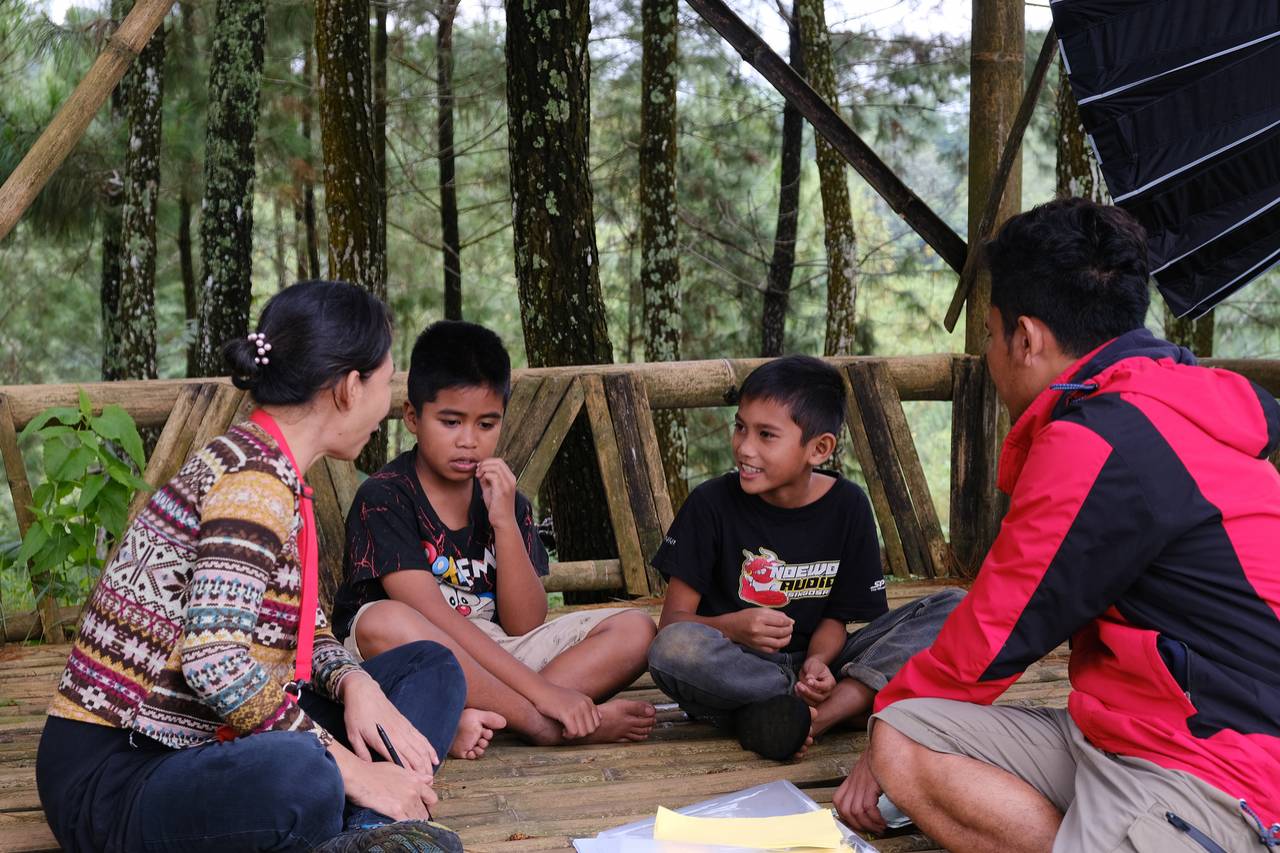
(260, 341)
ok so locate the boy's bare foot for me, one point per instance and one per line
(475, 730)
(622, 720)
(850, 702)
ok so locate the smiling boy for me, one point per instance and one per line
(768, 563)
(441, 546)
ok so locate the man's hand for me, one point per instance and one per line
(815, 681)
(498, 486)
(365, 708)
(856, 798)
(760, 628)
(573, 710)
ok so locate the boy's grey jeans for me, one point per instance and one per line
(711, 676)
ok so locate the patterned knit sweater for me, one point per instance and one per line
(194, 624)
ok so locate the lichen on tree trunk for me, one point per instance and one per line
(226, 218)
(659, 234)
(838, 233)
(353, 196)
(557, 266)
(1076, 170)
(135, 314)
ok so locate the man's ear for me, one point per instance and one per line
(1028, 340)
(821, 448)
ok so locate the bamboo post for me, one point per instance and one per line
(62, 134)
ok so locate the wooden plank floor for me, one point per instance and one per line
(518, 797)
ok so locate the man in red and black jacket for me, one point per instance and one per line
(1144, 527)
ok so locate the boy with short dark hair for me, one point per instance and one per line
(441, 546)
(765, 566)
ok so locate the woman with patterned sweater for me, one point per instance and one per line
(206, 705)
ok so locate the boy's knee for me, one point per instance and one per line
(637, 625)
(681, 646)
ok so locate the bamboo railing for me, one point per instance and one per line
(617, 402)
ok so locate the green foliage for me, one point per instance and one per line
(91, 464)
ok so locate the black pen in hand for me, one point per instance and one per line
(386, 741)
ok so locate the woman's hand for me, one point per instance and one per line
(365, 708)
(398, 793)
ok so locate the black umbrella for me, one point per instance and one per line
(1180, 102)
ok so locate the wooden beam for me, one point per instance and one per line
(1001, 179)
(669, 384)
(615, 487)
(62, 134)
(828, 122)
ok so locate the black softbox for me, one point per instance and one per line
(1180, 102)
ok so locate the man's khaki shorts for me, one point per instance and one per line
(1109, 802)
(535, 649)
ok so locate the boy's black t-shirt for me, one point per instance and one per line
(393, 527)
(821, 560)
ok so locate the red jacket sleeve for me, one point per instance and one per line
(1078, 533)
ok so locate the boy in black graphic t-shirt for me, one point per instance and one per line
(766, 564)
(441, 546)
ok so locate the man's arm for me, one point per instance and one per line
(1078, 533)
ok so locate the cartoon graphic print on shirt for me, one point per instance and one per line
(460, 577)
(768, 581)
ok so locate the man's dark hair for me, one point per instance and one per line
(1078, 267)
(454, 354)
(811, 389)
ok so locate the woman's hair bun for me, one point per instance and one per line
(240, 354)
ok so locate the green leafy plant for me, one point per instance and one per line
(91, 465)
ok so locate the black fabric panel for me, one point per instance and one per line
(1237, 257)
(1189, 210)
(1195, 592)
(1110, 43)
(1211, 112)
(1271, 412)
(1101, 555)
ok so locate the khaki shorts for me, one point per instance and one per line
(535, 649)
(1110, 802)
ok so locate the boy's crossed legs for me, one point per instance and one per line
(711, 677)
(610, 654)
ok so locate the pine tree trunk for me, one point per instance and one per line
(353, 200)
(109, 281)
(226, 218)
(1076, 170)
(838, 234)
(777, 294)
(448, 181)
(190, 290)
(135, 333)
(561, 309)
(659, 236)
(380, 115)
(312, 245)
(281, 260)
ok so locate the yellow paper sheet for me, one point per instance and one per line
(816, 829)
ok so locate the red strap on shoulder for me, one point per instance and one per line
(308, 555)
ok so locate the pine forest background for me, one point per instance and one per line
(207, 184)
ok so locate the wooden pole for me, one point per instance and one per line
(826, 121)
(995, 94)
(62, 134)
(1000, 181)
